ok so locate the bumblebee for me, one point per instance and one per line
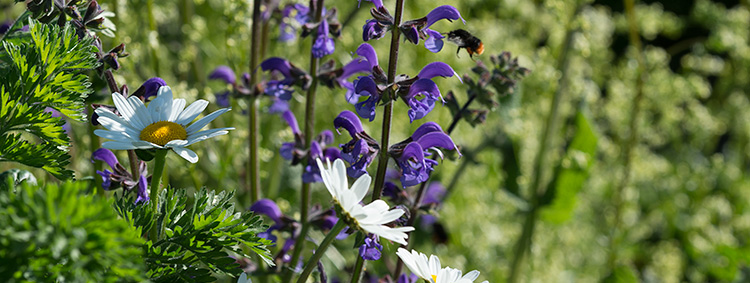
(466, 40)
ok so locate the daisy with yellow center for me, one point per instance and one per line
(163, 124)
(430, 270)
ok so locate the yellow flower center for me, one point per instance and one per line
(434, 278)
(163, 132)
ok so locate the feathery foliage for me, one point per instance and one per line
(40, 71)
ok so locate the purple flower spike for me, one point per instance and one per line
(447, 12)
(105, 155)
(149, 88)
(434, 195)
(291, 121)
(428, 90)
(323, 44)
(435, 69)
(434, 41)
(407, 279)
(373, 30)
(106, 181)
(411, 154)
(366, 50)
(325, 137)
(349, 121)
(223, 73)
(371, 249)
(366, 86)
(142, 190)
(269, 208)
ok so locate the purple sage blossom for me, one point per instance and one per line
(371, 249)
(323, 44)
(412, 154)
(295, 151)
(120, 177)
(292, 75)
(417, 29)
(361, 151)
(407, 278)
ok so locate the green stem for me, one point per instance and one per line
(632, 140)
(313, 262)
(358, 267)
(537, 187)
(299, 244)
(253, 166)
(152, 29)
(388, 109)
(159, 164)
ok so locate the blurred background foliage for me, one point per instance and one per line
(681, 214)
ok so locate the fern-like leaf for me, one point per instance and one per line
(43, 70)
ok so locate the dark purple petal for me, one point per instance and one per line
(349, 121)
(291, 121)
(436, 139)
(391, 190)
(323, 44)
(151, 87)
(426, 128)
(315, 151)
(370, 250)
(328, 222)
(278, 106)
(284, 253)
(424, 87)
(366, 109)
(331, 153)
(287, 32)
(311, 174)
(277, 64)
(407, 279)
(378, 3)
(303, 14)
(325, 137)
(142, 190)
(435, 69)
(412, 164)
(355, 66)
(106, 181)
(105, 155)
(427, 220)
(279, 89)
(351, 96)
(435, 193)
(5, 26)
(373, 30)
(411, 34)
(223, 73)
(418, 108)
(447, 12)
(353, 150)
(366, 50)
(287, 150)
(366, 86)
(222, 99)
(269, 208)
(434, 41)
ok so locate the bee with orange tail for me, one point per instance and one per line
(466, 40)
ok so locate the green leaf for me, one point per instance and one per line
(43, 70)
(571, 173)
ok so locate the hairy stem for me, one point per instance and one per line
(253, 163)
(632, 140)
(388, 109)
(159, 164)
(312, 263)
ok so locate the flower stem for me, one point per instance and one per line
(299, 244)
(358, 267)
(388, 109)
(253, 166)
(152, 30)
(537, 186)
(312, 263)
(159, 164)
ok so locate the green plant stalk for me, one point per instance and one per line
(388, 109)
(253, 162)
(93, 146)
(312, 263)
(299, 244)
(630, 143)
(523, 245)
(359, 266)
(152, 28)
(159, 163)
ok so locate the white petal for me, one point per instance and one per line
(176, 143)
(361, 186)
(116, 145)
(208, 133)
(325, 174)
(339, 175)
(161, 106)
(141, 111)
(434, 264)
(114, 123)
(116, 136)
(471, 276)
(126, 110)
(177, 106)
(202, 122)
(192, 111)
(188, 154)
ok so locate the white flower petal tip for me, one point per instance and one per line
(371, 218)
(430, 269)
(161, 124)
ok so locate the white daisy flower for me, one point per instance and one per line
(431, 270)
(370, 218)
(163, 124)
